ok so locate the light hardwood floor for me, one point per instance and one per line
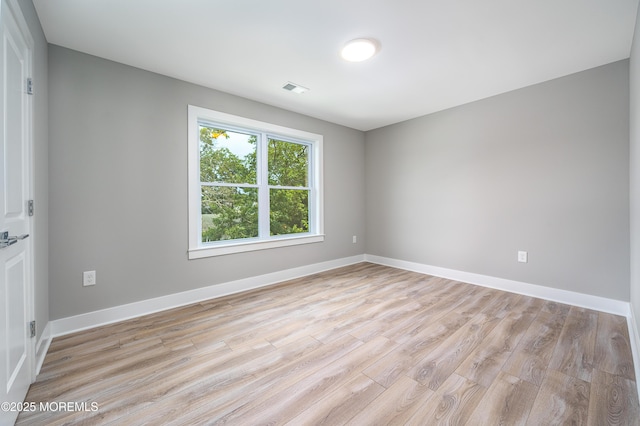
(360, 345)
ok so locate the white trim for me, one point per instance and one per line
(93, 319)
(16, 10)
(193, 176)
(597, 303)
(199, 250)
(241, 246)
(89, 320)
(42, 347)
(634, 337)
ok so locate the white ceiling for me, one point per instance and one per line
(435, 54)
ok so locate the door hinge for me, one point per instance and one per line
(30, 207)
(32, 328)
(29, 86)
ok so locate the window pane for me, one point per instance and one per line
(288, 163)
(289, 211)
(227, 156)
(229, 213)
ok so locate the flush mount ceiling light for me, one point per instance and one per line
(295, 88)
(359, 50)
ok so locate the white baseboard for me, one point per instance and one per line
(634, 336)
(88, 320)
(93, 319)
(597, 303)
(611, 306)
(42, 347)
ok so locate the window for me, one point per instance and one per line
(252, 185)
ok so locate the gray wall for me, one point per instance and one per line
(41, 167)
(634, 82)
(118, 186)
(543, 169)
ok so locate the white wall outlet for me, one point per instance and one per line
(523, 257)
(355, 239)
(88, 278)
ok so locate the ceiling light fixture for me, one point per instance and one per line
(296, 88)
(359, 50)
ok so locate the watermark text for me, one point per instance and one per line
(51, 406)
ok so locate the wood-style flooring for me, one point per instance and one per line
(360, 345)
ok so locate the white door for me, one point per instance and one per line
(16, 305)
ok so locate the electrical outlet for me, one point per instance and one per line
(88, 278)
(523, 257)
(355, 239)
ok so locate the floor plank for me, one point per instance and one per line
(452, 404)
(613, 347)
(561, 400)
(434, 369)
(395, 405)
(508, 401)
(400, 361)
(613, 400)
(485, 363)
(339, 407)
(530, 358)
(288, 401)
(574, 352)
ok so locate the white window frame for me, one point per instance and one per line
(198, 249)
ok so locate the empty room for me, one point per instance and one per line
(303, 213)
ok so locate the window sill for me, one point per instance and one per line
(241, 247)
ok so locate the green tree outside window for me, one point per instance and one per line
(230, 191)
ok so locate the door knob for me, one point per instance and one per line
(6, 240)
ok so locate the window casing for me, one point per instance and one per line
(252, 185)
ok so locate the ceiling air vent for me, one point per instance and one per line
(296, 88)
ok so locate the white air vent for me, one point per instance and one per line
(296, 88)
